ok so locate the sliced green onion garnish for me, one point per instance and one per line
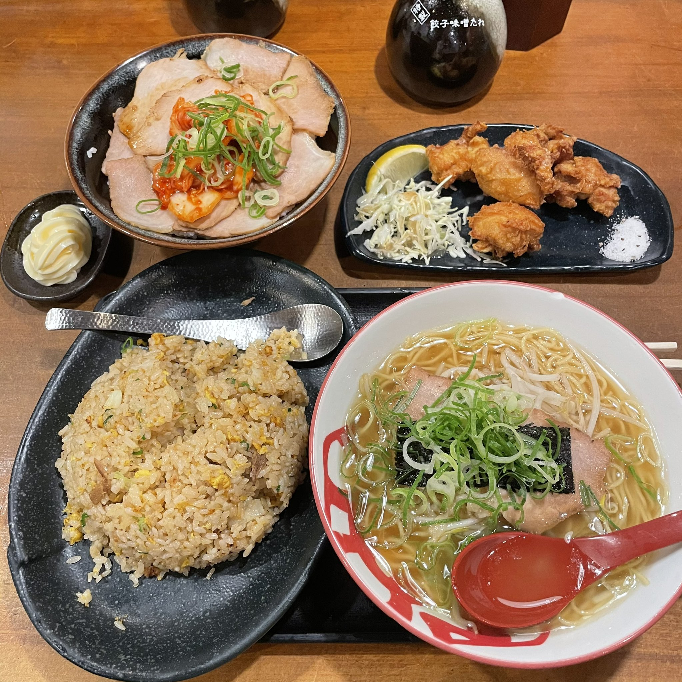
(156, 205)
(266, 197)
(229, 73)
(646, 487)
(587, 497)
(276, 89)
(227, 133)
(256, 211)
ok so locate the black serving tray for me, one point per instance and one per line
(572, 237)
(331, 607)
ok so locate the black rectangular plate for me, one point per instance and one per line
(572, 237)
(331, 607)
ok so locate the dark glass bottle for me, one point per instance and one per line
(443, 52)
(252, 17)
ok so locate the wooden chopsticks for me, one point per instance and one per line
(668, 363)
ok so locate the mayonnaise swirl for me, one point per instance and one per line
(58, 246)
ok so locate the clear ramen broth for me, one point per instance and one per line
(415, 531)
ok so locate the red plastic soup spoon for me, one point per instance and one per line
(515, 580)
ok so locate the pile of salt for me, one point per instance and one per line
(628, 242)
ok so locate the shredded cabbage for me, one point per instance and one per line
(410, 221)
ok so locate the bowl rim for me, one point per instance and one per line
(385, 607)
(223, 242)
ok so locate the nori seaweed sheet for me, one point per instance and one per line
(406, 475)
(566, 483)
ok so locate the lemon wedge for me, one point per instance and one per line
(399, 165)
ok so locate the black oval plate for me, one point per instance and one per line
(572, 237)
(12, 261)
(178, 627)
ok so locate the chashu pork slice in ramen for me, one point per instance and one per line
(153, 81)
(257, 64)
(130, 183)
(151, 138)
(307, 167)
(312, 107)
(586, 459)
(588, 462)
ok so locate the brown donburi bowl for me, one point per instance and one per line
(87, 140)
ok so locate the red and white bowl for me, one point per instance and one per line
(615, 347)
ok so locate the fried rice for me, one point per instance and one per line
(184, 454)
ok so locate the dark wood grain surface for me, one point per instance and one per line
(613, 76)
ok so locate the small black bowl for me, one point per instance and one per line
(12, 262)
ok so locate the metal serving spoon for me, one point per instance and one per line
(320, 326)
(515, 580)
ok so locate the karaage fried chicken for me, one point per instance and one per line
(453, 159)
(532, 167)
(504, 228)
(539, 149)
(505, 178)
(583, 177)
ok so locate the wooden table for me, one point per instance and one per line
(614, 76)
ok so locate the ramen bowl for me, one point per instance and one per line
(616, 349)
(87, 140)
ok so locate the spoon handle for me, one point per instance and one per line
(242, 332)
(320, 326)
(614, 549)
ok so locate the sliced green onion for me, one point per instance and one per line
(256, 211)
(156, 202)
(646, 487)
(265, 148)
(229, 73)
(587, 497)
(251, 146)
(276, 89)
(266, 197)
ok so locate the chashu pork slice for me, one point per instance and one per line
(431, 387)
(153, 81)
(118, 145)
(152, 136)
(224, 209)
(130, 182)
(589, 461)
(238, 223)
(308, 166)
(258, 65)
(312, 107)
